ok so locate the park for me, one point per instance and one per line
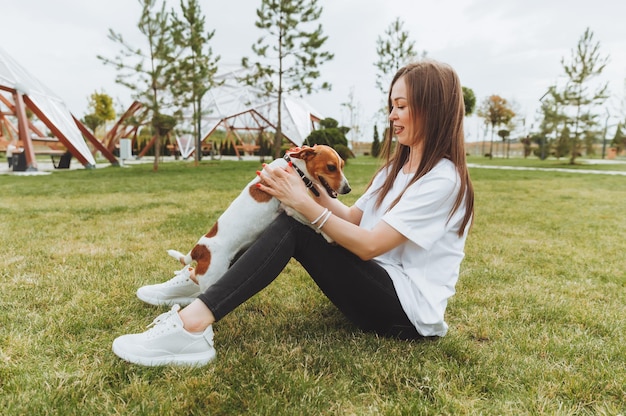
(91, 205)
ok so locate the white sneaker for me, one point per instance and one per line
(180, 289)
(167, 342)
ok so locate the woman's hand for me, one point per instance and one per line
(285, 185)
(342, 226)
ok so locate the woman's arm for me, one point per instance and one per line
(341, 225)
(366, 244)
(350, 214)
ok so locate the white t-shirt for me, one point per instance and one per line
(425, 268)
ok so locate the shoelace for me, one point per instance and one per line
(157, 326)
(184, 272)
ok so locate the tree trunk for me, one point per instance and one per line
(198, 133)
(491, 145)
(157, 151)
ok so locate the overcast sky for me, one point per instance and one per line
(511, 48)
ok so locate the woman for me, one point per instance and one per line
(399, 247)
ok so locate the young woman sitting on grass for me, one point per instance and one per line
(398, 248)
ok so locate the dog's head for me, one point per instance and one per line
(323, 165)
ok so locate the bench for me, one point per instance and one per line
(61, 159)
(173, 150)
(248, 148)
(207, 150)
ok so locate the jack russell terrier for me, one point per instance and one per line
(253, 210)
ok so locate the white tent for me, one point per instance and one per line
(236, 105)
(48, 107)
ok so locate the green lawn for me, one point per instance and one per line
(537, 326)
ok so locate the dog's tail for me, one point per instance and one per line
(183, 259)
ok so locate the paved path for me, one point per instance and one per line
(589, 171)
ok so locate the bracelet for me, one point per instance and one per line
(319, 227)
(320, 217)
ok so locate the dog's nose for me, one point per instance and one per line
(345, 189)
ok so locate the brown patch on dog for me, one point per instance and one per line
(202, 256)
(212, 232)
(258, 195)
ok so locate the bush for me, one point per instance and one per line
(344, 151)
(333, 135)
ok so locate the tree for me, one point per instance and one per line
(619, 139)
(331, 134)
(496, 112)
(101, 106)
(527, 143)
(394, 51)
(353, 109)
(563, 143)
(585, 64)
(469, 99)
(290, 53)
(376, 143)
(152, 83)
(504, 134)
(197, 67)
(554, 120)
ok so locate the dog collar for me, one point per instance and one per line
(308, 182)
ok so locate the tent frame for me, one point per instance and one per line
(123, 130)
(26, 130)
(229, 123)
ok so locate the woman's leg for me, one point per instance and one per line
(362, 290)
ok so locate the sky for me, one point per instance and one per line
(510, 48)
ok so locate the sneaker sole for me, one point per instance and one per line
(190, 360)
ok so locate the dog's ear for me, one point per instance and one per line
(304, 153)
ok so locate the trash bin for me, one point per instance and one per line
(19, 162)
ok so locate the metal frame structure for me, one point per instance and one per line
(19, 91)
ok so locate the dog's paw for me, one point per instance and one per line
(289, 211)
(327, 238)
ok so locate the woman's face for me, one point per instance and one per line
(400, 115)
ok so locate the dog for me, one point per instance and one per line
(253, 210)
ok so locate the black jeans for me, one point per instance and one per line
(361, 290)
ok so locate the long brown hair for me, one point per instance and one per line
(435, 94)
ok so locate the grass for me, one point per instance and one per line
(536, 328)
